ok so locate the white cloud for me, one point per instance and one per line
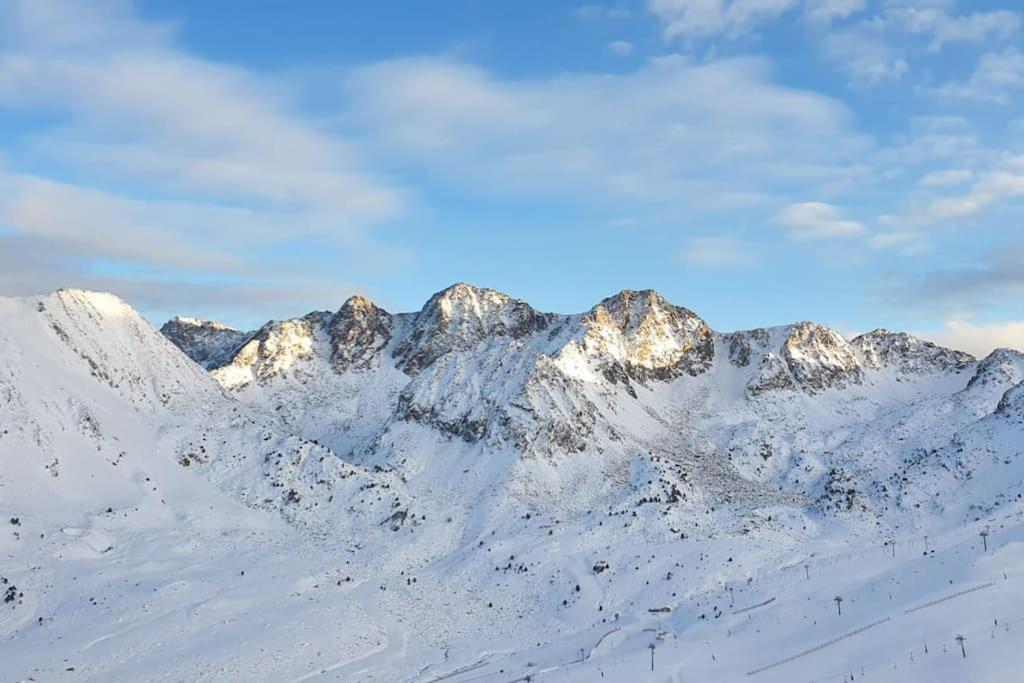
(817, 220)
(998, 77)
(30, 266)
(827, 11)
(713, 18)
(991, 188)
(866, 53)
(946, 178)
(143, 107)
(941, 27)
(620, 48)
(700, 136)
(102, 225)
(880, 46)
(716, 252)
(192, 124)
(979, 339)
(973, 281)
(937, 141)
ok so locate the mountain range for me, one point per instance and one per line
(514, 459)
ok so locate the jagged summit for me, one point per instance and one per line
(188, 321)
(910, 354)
(1002, 366)
(649, 336)
(461, 316)
(358, 332)
(209, 343)
(358, 302)
(1011, 405)
(630, 310)
(463, 303)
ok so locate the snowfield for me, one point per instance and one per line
(483, 492)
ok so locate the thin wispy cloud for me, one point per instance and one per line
(669, 132)
(716, 252)
(817, 220)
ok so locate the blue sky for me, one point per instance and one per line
(859, 163)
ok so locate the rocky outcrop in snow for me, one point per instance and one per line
(359, 332)
(1001, 367)
(460, 318)
(276, 348)
(641, 336)
(1011, 406)
(908, 354)
(804, 356)
(820, 358)
(206, 342)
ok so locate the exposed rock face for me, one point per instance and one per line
(206, 342)
(273, 350)
(744, 345)
(359, 332)
(459, 318)
(804, 356)
(1011, 406)
(820, 358)
(908, 354)
(1001, 367)
(645, 337)
(772, 374)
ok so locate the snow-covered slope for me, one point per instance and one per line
(482, 491)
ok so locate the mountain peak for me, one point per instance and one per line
(208, 343)
(358, 332)
(462, 316)
(649, 335)
(630, 304)
(1002, 366)
(462, 299)
(187, 321)
(820, 358)
(104, 303)
(909, 354)
(630, 309)
(358, 303)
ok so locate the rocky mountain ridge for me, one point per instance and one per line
(637, 336)
(790, 408)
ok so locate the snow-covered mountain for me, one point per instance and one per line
(791, 411)
(483, 483)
